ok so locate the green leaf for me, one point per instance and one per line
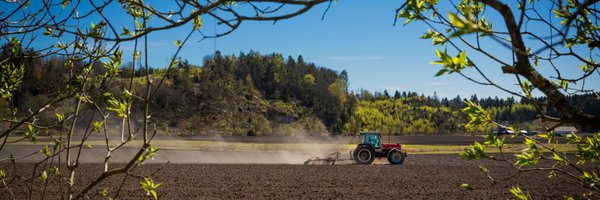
(462, 57)
(45, 151)
(572, 137)
(153, 194)
(120, 107)
(54, 170)
(57, 144)
(559, 13)
(466, 187)
(484, 170)
(430, 33)
(149, 187)
(589, 149)
(230, 3)
(44, 176)
(439, 40)
(530, 155)
(519, 194)
(570, 197)
(139, 25)
(136, 55)
(150, 152)
(475, 151)
(455, 20)
(173, 63)
(126, 31)
(177, 43)
(452, 64)
(484, 26)
(48, 32)
(60, 117)
(552, 174)
(197, 22)
(560, 159)
(97, 126)
(564, 84)
(104, 192)
(591, 179)
(464, 26)
(530, 143)
(149, 14)
(2, 174)
(126, 94)
(65, 3)
(31, 133)
(492, 139)
(61, 45)
(587, 67)
(477, 114)
(441, 72)
(11, 76)
(527, 88)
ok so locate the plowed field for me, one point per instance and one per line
(420, 177)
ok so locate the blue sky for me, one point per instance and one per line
(355, 36)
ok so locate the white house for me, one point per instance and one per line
(564, 130)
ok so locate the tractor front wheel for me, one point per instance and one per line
(395, 157)
(364, 155)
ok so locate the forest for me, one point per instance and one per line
(266, 94)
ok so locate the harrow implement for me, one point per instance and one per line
(330, 159)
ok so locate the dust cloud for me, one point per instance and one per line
(270, 150)
(296, 150)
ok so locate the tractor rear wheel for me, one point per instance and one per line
(395, 157)
(364, 155)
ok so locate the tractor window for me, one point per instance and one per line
(364, 139)
(374, 140)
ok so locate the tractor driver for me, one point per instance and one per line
(374, 140)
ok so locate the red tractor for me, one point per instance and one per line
(370, 147)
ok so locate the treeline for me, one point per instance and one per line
(256, 94)
(411, 113)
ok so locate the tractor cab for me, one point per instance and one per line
(371, 138)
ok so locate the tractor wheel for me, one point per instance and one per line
(364, 155)
(395, 157)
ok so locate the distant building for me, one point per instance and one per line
(564, 130)
(502, 130)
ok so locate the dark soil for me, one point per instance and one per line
(420, 177)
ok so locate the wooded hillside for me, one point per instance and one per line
(255, 94)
